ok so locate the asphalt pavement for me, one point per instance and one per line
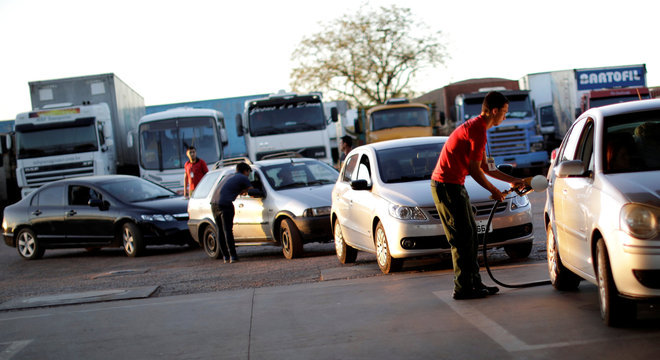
(398, 316)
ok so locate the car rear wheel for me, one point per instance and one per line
(560, 277)
(28, 246)
(345, 253)
(292, 245)
(518, 251)
(386, 262)
(210, 243)
(614, 310)
(132, 239)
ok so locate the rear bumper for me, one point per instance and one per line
(314, 229)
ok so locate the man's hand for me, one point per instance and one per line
(496, 195)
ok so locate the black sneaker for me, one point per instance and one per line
(473, 294)
(492, 290)
(233, 259)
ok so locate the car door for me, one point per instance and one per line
(571, 196)
(46, 214)
(85, 223)
(341, 196)
(252, 220)
(360, 206)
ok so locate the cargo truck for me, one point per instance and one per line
(286, 122)
(165, 136)
(78, 126)
(397, 118)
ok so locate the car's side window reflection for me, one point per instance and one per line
(572, 142)
(364, 172)
(52, 196)
(351, 162)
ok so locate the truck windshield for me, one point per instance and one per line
(519, 107)
(38, 141)
(286, 118)
(163, 143)
(399, 117)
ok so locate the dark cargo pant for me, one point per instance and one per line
(224, 220)
(453, 205)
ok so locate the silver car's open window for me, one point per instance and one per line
(632, 142)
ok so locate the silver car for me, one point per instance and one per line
(603, 205)
(382, 204)
(290, 206)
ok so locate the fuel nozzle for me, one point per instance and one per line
(536, 183)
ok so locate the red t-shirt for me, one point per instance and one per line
(466, 143)
(194, 173)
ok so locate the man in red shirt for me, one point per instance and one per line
(195, 169)
(463, 155)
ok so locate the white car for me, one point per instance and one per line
(289, 207)
(382, 204)
(603, 206)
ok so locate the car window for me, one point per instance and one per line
(205, 185)
(351, 163)
(52, 196)
(136, 190)
(410, 163)
(586, 147)
(80, 195)
(364, 171)
(569, 150)
(632, 142)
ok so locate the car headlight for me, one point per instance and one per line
(157, 217)
(639, 221)
(406, 212)
(519, 202)
(319, 211)
(537, 147)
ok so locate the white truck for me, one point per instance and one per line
(78, 126)
(165, 136)
(286, 122)
(540, 86)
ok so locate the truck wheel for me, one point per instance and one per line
(386, 262)
(518, 251)
(210, 243)
(132, 240)
(614, 310)
(345, 253)
(560, 277)
(292, 245)
(28, 246)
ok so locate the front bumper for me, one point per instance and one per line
(635, 265)
(166, 232)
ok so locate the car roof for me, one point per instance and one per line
(625, 107)
(269, 162)
(96, 179)
(413, 141)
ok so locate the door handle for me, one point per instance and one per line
(71, 212)
(36, 212)
(564, 191)
(240, 205)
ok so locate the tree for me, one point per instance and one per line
(366, 57)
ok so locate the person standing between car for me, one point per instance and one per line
(345, 146)
(222, 205)
(194, 168)
(464, 154)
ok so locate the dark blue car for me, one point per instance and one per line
(95, 212)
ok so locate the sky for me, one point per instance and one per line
(178, 51)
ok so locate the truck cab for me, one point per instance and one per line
(397, 118)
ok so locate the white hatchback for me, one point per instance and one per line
(382, 204)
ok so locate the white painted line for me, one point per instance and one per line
(14, 348)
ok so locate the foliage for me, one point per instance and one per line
(366, 57)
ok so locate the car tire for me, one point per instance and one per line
(560, 277)
(518, 251)
(345, 253)
(614, 310)
(292, 245)
(386, 262)
(28, 245)
(132, 240)
(210, 243)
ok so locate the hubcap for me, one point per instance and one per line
(210, 242)
(601, 284)
(552, 257)
(285, 240)
(128, 241)
(339, 241)
(26, 244)
(381, 247)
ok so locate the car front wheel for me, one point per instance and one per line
(614, 310)
(345, 253)
(292, 245)
(132, 239)
(210, 243)
(28, 246)
(386, 262)
(560, 277)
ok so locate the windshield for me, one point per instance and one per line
(519, 107)
(136, 190)
(300, 174)
(471, 108)
(286, 118)
(392, 118)
(163, 143)
(37, 141)
(596, 102)
(632, 142)
(411, 163)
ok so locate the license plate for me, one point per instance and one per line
(481, 226)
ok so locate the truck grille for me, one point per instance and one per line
(46, 174)
(507, 141)
(316, 152)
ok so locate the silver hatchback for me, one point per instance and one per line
(603, 206)
(290, 207)
(382, 204)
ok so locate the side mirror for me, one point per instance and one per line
(223, 136)
(505, 168)
(570, 168)
(102, 205)
(256, 193)
(129, 140)
(360, 185)
(334, 114)
(239, 125)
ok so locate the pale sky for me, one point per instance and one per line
(177, 51)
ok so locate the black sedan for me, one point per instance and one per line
(94, 212)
